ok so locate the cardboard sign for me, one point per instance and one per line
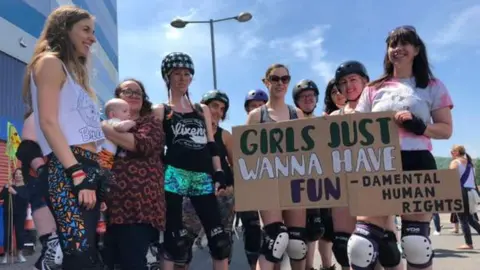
(304, 163)
(408, 192)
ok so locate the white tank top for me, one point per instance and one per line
(470, 183)
(78, 115)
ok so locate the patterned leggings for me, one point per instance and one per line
(76, 225)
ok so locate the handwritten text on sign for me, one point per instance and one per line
(303, 163)
(408, 192)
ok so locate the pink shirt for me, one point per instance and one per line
(402, 94)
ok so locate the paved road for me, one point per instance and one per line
(447, 257)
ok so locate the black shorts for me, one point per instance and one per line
(418, 160)
(326, 214)
(38, 192)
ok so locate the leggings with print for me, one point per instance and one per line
(199, 188)
(76, 225)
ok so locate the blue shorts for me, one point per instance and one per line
(38, 192)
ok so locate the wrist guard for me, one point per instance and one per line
(219, 177)
(90, 181)
(415, 125)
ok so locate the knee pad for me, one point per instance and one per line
(416, 244)
(297, 243)
(220, 243)
(390, 255)
(275, 241)
(27, 151)
(177, 246)
(314, 225)
(363, 246)
(252, 239)
(339, 248)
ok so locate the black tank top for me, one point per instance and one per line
(223, 156)
(186, 140)
(265, 116)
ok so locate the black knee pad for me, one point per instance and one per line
(27, 151)
(177, 246)
(275, 241)
(252, 239)
(390, 255)
(314, 225)
(297, 243)
(219, 243)
(339, 248)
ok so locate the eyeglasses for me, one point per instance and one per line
(132, 93)
(285, 79)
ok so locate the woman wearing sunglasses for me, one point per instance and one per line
(280, 236)
(409, 88)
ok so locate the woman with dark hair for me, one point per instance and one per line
(136, 201)
(283, 230)
(193, 167)
(462, 162)
(68, 130)
(408, 88)
(333, 100)
(15, 203)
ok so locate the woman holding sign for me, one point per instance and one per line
(279, 236)
(462, 162)
(351, 77)
(408, 88)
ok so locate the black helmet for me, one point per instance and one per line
(351, 67)
(216, 95)
(176, 60)
(304, 85)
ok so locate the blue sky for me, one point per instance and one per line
(311, 37)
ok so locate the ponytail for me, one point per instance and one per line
(469, 159)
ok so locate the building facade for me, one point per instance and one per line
(21, 22)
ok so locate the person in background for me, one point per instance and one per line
(333, 99)
(15, 203)
(436, 224)
(305, 96)
(422, 107)
(35, 174)
(136, 201)
(462, 162)
(252, 230)
(278, 238)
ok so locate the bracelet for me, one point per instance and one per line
(78, 174)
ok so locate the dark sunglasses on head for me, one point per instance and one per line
(275, 78)
(130, 93)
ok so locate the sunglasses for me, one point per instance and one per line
(131, 93)
(285, 79)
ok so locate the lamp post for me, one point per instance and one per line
(242, 17)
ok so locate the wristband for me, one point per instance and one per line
(70, 171)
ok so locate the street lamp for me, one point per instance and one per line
(242, 17)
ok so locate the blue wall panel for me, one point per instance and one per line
(11, 103)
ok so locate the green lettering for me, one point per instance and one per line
(334, 135)
(309, 142)
(384, 130)
(368, 138)
(290, 140)
(346, 133)
(276, 140)
(264, 141)
(248, 149)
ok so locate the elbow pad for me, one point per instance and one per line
(27, 151)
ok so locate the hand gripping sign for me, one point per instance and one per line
(335, 161)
